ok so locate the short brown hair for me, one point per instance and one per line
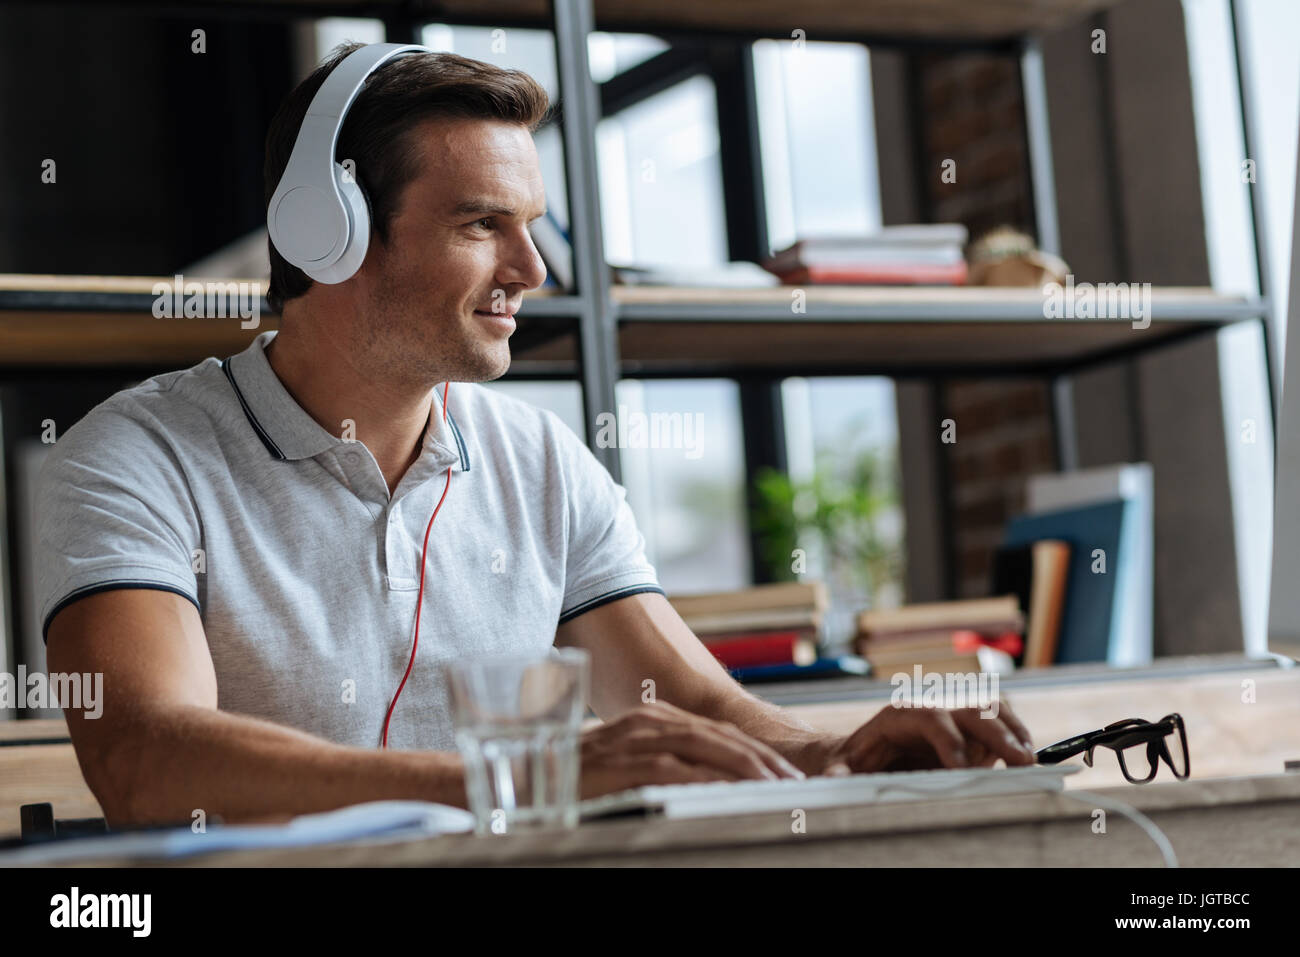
(396, 97)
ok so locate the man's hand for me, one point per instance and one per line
(662, 744)
(911, 739)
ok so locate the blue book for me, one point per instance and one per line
(1090, 620)
(821, 668)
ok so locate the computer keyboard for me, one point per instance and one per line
(717, 798)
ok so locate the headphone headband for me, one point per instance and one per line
(318, 217)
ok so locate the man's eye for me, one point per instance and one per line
(486, 223)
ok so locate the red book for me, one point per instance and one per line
(773, 648)
(900, 275)
(718, 637)
(967, 642)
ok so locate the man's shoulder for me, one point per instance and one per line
(146, 415)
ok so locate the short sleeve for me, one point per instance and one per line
(111, 510)
(605, 558)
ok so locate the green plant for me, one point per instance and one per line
(843, 507)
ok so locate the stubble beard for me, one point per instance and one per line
(404, 341)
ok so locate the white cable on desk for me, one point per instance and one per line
(1137, 817)
(1132, 813)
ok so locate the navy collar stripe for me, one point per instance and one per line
(460, 443)
(252, 419)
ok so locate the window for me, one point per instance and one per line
(1229, 182)
(846, 428)
(1269, 28)
(609, 54)
(660, 179)
(818, 139)
(689, 494)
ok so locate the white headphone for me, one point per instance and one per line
(319, 217)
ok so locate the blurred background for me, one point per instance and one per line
(1144, 141)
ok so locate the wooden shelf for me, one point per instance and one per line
(880, 348)
(93, 321)
(54, 321)
(131, 293)
(890, 330)
(900, 304)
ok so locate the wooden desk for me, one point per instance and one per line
(37, 764)
(1228, 736)
(1239, 722)
(1229, 822)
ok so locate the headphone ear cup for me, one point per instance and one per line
(357, 206)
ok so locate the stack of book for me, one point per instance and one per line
(761, 626)
(896, 255)
(732, 275)
(941, 636)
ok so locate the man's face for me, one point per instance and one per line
(437, 296)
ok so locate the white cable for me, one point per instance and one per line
(1132, 813)
(1137, 817)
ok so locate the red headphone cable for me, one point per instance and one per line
(419, 601)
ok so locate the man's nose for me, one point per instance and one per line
(524, 264)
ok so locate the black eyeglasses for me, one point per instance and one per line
(1139, 744)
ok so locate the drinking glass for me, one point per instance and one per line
(518, 719)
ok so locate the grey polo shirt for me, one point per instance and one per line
(213, 483)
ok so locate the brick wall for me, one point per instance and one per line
(1004, 434)
(971, 111)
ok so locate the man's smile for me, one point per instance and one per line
(504, 321)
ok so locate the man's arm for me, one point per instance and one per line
(642, 637)
(161, 749)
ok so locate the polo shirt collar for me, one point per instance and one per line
(288, 432)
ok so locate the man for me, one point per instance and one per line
(236, 546)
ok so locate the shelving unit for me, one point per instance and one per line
(50, 321)
(602, 332)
